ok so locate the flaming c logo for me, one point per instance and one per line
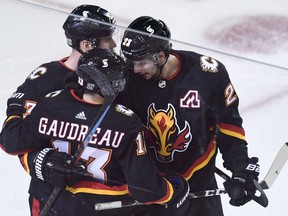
(164, 134)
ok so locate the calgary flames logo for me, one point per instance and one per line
(164, 134)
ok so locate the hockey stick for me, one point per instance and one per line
(130, 203)
(273, 172)
(262, 199)
(275, 168)
(266, 183)
(109, 96)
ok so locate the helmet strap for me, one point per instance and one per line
(79, 50)
(92, 43)
(77, 46)
(160, 67)
(95, 42)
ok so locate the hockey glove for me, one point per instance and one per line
(15, 107)
(241, 186)
(57, 169)
(180, 200)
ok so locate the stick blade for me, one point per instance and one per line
(276, 167)
(262, 198)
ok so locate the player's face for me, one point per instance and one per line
(146, 68)
(107, 43)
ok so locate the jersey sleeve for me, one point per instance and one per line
(144, 183)
(45, 78)
(40, 81)
(19, 135)
(230, 134)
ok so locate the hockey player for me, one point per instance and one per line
(190, 110)
(83, 33)
(113, 166)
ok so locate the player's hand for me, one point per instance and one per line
(241, 186)
(15, 107)
(57, 168)
(180, 199)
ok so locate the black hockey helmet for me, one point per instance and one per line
(145, 36)
(107, 62)
(88, 22)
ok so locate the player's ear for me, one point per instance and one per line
(161, 57)
(85, 45)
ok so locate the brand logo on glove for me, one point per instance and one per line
(182, 200)
(253, 167)
(39, 161)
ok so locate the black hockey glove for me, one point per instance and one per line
(15, 107)
(180, 199)
(57, 169)
(241, 186)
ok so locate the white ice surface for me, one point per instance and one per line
(31, 35)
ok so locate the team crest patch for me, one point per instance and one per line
(124, 110)
(164, 134)
(208, 64)
(38, 72)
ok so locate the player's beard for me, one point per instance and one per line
(158, 72)
(152, 74)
